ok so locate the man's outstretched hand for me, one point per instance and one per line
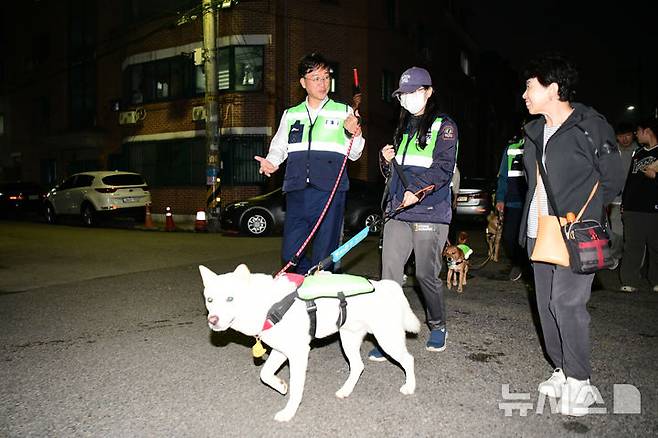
(266, 168)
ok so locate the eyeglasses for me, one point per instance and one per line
(316, 79)
(401, 95)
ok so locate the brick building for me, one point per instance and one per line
(89, 85)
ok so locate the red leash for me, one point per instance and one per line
(324, 211)
(356, 102)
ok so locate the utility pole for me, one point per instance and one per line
(213, 157)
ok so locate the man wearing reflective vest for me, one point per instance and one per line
(510, 195)
(314, 137)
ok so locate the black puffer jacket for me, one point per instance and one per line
(573, 165)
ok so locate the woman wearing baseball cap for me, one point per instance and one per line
(422, 156)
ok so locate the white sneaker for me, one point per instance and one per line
(655, 288)
(628, 289)
(553, 386)
(577, 397)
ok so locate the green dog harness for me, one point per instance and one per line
(338, 286)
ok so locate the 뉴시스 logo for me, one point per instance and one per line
(626, 400)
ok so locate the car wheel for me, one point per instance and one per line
(88, 215)
(373, 220)
(49, 213)
(257, 223)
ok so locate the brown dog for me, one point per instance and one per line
(457, 263)
(494, 232)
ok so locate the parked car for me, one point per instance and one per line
(17, 198)
(475, 198)
(263, 215)
(92, 195)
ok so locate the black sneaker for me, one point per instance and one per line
(515, 273)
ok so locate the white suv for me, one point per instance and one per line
(91, 194)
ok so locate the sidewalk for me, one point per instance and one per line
(182, 222)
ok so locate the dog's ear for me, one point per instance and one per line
(207, 275)
(242, 271)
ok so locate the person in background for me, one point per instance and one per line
(558, 143)
(425, 154)
(454, 186)
(314, 137)
(627, 146)
(640, 211)
(510, 194)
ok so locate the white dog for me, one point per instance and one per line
(241, 300)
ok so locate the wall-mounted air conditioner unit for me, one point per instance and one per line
(127, 117)
(132, 117)
(198, 113)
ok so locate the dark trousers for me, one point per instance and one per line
(640, 232)
(562, 298)
(511, 226)
(427, 241)
(303, 207)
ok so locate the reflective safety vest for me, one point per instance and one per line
(436, 206)
(515, 159)
(316, 150)
(414, 155)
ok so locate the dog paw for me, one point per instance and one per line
(282, 387)
(343, 393)
(284, 415)
(407, 389)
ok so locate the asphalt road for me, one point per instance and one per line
(103, 334)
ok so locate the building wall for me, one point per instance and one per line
(362, 34)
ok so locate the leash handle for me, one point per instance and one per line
(401, 175)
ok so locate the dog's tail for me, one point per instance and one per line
(411, 322)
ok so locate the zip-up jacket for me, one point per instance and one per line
(574, 165)
(422, 167)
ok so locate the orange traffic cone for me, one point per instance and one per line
(148, 220)
(200, 224)
(169, 222)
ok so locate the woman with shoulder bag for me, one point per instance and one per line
(571, 164)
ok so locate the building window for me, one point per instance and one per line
(162, 80)
(333, 72)
(464, 63)
(237, 154)
(166, 163)
(42, 113)
(82, 95)
(388, 85)
(239, 68)
(392, 14)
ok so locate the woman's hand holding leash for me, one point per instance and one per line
(388, 152)
(409, 199)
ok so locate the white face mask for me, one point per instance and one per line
(413, 102)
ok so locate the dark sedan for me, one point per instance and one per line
(263, 215)
(17, 198)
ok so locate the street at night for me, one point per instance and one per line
(104, 333)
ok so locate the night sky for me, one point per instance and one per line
(615, 48)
